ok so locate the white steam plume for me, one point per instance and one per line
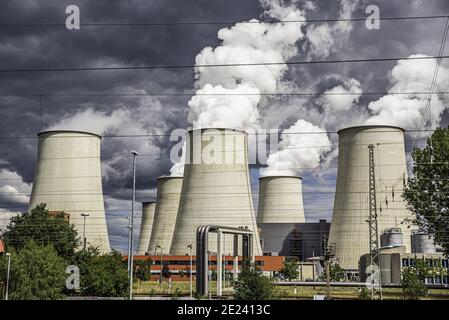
(302, 146)
(407, 110)
(325, 38)
(243, 43)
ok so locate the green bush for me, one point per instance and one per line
(413, 280)
(37, 273)
(251, 284)
(290, 269)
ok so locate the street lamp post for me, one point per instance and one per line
(313, 265)
(7, 275)
(160, 276)
(131, 229)
(209, 273)
(84, 215)
(191, 285)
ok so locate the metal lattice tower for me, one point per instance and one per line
(373, 230)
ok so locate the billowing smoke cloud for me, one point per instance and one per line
(14, 194)
(89, 120)
(302, 146)
(338, 101)
(407, 110)
(325, 38)
(244, 43)
(218, 101)
(143, 119)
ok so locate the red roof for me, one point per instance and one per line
(2, 246)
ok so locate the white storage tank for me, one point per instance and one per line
(392, 237)
(422, 243)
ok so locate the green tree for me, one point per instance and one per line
(37, 273)
(413, 280)
(142, 269)
(290, 269)
(336, 273)
(103, 275)
(166, 271)
(251, 284)
(427, 190)
(43, 228)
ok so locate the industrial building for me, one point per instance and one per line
(167, 202)
(179, 265)
(67, 179)
(146, 226)
(349, 229)
(215, 189)
(302, 240)
(394, 257)
(394, 260)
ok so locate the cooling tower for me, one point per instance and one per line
(349, 229)
(68, 178)
(146, 225)
(280, 200)
(167, 202)
(216, 188)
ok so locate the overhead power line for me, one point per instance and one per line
(432, 87)
(228, 22)
(188, 94)
(51, 69)
(147, 135)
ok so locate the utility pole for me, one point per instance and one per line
(131, 229)
(373, 230)
(209, 273)
(7, 275)
(84, 215)
(313, 265)
(327, 268)
(191, 265)
(160, 276)
(329, 253)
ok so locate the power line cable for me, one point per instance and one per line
(229, 22)
(432, 87)
(188, 94)
(50, 69)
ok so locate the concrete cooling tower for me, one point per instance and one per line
(68, 178)
(146, 225)
(349, 229)
(280, 200)
(216, 188)
(167, 202)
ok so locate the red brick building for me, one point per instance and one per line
(179, 266)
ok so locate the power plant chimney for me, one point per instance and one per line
(68, 178)
(349, 229)
(167, 202)
(146, 225)
(216, 188)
